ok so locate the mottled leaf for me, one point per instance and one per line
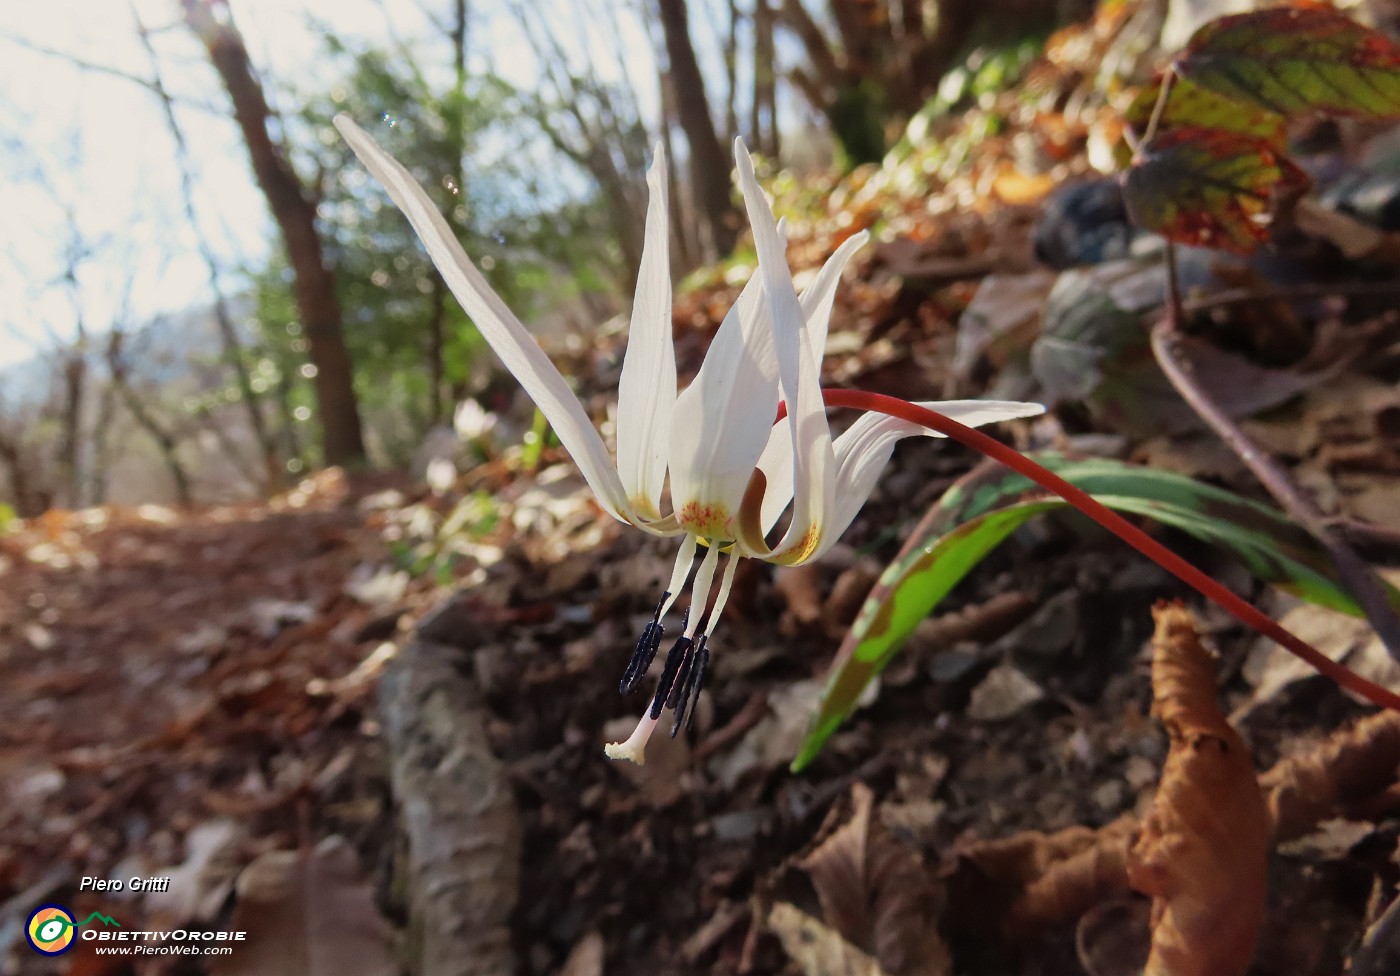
(1208, 187)
(1093, 349)
(1297, 60)
(985, 507)
(1189, 104)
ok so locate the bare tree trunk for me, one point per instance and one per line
(228, 334)
(21, 469)
(73, 371)
(685, 253)
(911, 17)
(709, 162)
(165, 439)
(731, 74)
(292, 447)
(295, 213)
(101, 446)
(932, 58)
(765, 81)
(829, 71)
(856, 38)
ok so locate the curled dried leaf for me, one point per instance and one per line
(1349, 767)
(1042, 881)
(1049, 880)
(1203, 851)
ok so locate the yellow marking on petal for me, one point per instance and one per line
(642, 506)
(751, 514)
(801, 552)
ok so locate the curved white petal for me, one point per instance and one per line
(818, 297)
(646, 393)
(865, 448)
(814, 476)
(776, 464)
(816, 301)
(516, 348)
(721, 419)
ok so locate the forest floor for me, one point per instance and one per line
(186, 694)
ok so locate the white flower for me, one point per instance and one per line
(733, 472)
(471, 421)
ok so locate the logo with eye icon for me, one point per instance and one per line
(50, 930)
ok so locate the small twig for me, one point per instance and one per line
(1355, 574)
(1174, 305)
(1238, 296)
(1164, 93)
(1368, 535)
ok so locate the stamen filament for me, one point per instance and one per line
(679, 574)
(725, 583)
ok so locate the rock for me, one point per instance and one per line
(1083, 223)
(1002, 693)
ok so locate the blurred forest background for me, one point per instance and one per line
(204, 297)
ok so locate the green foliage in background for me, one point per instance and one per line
(536, 229)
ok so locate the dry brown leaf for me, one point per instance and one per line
(877, 894)
(1351, 765)
(307, 914)
(1111, 939)
(1079, 881)
(199, 885)
(817, 949)
(587, 956)
(1048, 880)
(1203, 851)
(801, 587)
(1053, 879)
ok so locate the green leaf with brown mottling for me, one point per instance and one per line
(990, 503)
(1208, 187)
(1296, 61)
(1189, 104)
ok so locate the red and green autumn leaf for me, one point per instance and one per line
(1297, 60)
(1208, 187)
(1188, 104)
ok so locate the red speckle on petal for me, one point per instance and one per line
(707, 521)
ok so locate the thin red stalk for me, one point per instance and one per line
(1241, 609)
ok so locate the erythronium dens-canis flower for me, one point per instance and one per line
(733, 472)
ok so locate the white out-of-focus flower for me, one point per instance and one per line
(440, 475)
(472, 421)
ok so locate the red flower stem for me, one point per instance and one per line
(1241, 609)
